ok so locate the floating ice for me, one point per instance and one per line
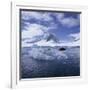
(47, 54)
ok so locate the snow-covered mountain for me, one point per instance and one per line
(52, 43)
(48, 39)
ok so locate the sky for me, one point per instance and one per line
(64, 25)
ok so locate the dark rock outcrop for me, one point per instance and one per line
(62, 49)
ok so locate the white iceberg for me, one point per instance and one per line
(46, 54)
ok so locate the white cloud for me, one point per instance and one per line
(70, 22)
(75, 36)
(67, 21)
(59, 16)
(46, 16)
(33, 30)
(26, 15)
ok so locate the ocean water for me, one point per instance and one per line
(40, 62)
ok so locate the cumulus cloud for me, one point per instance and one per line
(59, 16)
(33, 30)
(68, 21)
(48, 17)
(43, 18)
(26, 15)
(75, 36)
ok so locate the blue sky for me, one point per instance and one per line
(62, 24)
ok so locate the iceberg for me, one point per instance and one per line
(46, 53)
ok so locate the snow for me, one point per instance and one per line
(36, 36)
(51, 43)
